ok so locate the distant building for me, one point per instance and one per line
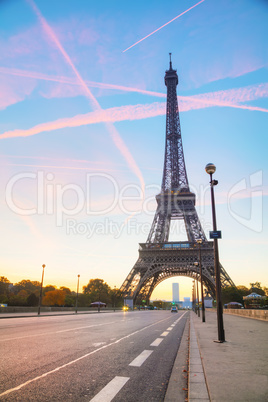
(187, 302)
(175, 293)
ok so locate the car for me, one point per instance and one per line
(174, 309)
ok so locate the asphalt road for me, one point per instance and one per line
(91, 357)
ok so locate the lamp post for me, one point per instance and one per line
(41, 288)
(210, 169)
(195, 310)
(114, 296)
(199, 241)
(76, 302)
(193, 297)
(198, 310)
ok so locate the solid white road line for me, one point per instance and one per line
(157, 342)
(8, 391)
(110, 390)
(141, 358)
(164, 333)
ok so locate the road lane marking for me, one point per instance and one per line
(156, 342)
(110, 390)
(164, 333)
(98, 344)
(8, 391)
(56, 332)
(169, 328)
(141, 358)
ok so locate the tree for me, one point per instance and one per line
(256, 285)
(32, 300)
(54, 298)
(256, 288)
(84, 300)
(244, 291)
(116, 297)
(28, 286)
(66, 290)
(48, 288)
(4, 286)
(98, 290)
(69, 300)
(231, 294)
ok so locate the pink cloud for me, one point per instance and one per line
(14, 90)
(87, 36)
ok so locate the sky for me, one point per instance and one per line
(82, 133)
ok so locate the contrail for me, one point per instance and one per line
(111, 129)
(212, 98)
(143, 111)
(158, 29)
(70, 81)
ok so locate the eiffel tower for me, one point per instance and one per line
(160, 259)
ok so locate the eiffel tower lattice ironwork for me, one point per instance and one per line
(160, 259)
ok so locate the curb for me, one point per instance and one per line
(197, 386)
(178, 381)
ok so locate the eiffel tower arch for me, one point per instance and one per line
(160, 259)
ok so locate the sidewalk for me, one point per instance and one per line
(236, 370)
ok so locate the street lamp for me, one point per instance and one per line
(114, 297)
(41, 288)
(194, 292)
(76, 303)
(199, 241)
(193, 297)
(198, 310)
(210, 169)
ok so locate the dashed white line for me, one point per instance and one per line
(165, 333)
(169, 328)
(141, 358)
(156, 342)
(110, 390)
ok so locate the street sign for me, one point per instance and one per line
(215, 234)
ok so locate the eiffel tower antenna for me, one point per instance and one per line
(160, 259)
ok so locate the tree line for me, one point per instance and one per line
(26, 293)
(236, 293)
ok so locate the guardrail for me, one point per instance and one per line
(256, 314)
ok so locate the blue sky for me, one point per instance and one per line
(73, 104)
